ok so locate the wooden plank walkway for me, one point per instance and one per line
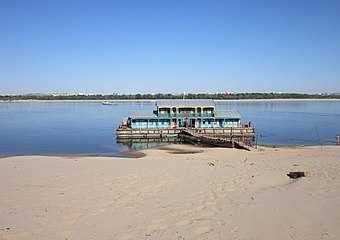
(214, 140)
(191, 132)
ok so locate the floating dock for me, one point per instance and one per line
(236, 133)
(172, 117)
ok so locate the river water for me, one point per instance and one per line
(80, 128)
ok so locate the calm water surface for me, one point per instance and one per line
(292, 122)
(89, 128)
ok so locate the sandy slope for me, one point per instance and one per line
(176, 192)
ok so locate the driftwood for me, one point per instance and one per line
(296, 175)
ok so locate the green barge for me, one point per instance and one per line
(173, 116)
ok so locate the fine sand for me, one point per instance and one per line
(175, 192)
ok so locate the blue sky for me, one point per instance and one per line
(166, 46)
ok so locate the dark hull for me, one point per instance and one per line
(211, 141)
(207, 141)
(216, 142)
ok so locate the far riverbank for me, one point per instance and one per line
(154, 100)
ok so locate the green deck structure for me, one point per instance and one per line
(184, 113)
(172, 116)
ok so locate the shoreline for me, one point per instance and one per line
(173, 192)
(154, 100)
(139, 153)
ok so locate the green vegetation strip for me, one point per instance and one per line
(216, 96)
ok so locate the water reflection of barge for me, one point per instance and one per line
(172, 117)
(142, 143)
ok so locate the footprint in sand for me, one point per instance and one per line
(220, 222)
(66, 233)
(175, 213)
(20, 235)
(203, 230)
(157, 228)
(184, 223)
(208, 214)
(69, 204)
(199, 208)
(230, 189)
(213, 203)
(128, 236)
(160, 220)
(68, 220)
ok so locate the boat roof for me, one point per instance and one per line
(185, 103)
(142, 114)
(149, 114)
(228, 114)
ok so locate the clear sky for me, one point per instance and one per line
(169, 46)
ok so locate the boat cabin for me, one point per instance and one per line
(184, 113)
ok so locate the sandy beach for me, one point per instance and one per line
(174, 192)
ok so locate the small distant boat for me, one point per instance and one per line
(107, 103)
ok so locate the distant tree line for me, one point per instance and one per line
(216, 96)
